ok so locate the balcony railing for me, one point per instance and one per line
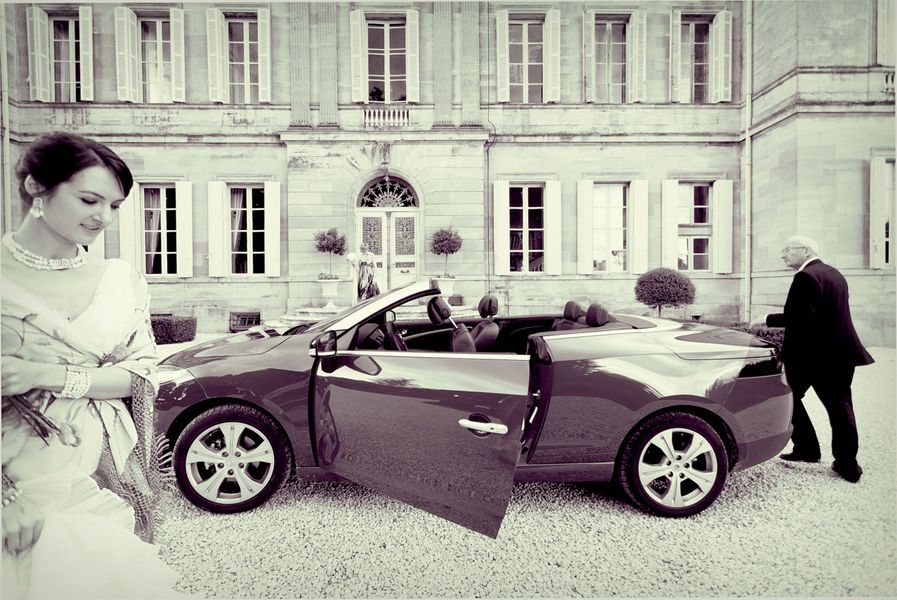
(377, 117)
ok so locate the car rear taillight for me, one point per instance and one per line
(761, 367)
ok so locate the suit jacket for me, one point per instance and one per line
(818, 329)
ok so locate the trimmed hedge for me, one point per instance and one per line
(173, 330)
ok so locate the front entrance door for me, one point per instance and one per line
(391, 236)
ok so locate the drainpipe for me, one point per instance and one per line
(4, 127)
(747, 168)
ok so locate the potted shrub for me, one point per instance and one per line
(664, 287)
(330, 242)
(446, 241)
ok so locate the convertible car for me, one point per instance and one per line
(444, 414)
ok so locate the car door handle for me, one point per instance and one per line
(483, 427)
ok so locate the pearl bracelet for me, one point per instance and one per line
(10, 491)
(77, 382)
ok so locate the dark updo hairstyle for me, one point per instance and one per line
(57, 157)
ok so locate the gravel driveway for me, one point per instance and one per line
(777, 530)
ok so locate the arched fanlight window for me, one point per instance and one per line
(388, 191)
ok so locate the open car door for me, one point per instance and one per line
(440, 431)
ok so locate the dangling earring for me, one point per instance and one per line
(37, 208)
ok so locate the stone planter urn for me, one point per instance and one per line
(329, 290)
(446, 285)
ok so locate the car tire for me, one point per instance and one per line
(210, 459)
(673, 465)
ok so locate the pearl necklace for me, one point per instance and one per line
(42, 263)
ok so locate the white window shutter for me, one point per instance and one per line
(272, 228)
(588, 56)
(264, 31)
(38, 55)
(412, 53)
(215, 30)
(886, 35)
(638, 226)
(721, 57)
(183, 198)
(359, 55)
(669, 223)
(675, 54)
(553, 224)
(552, 91)
(85, 25)
(881, 190)
(218, 216)
(502, 86)
(584, 226)
(636, 56)
(123, 51)
(128, 228)
(501, 227)
(721, 200)
(178, 71)
(134, 71)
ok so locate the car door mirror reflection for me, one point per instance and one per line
(324, 345)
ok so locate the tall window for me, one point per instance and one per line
(694, 227)
(243, 60)
(610, 231)
(525, 62)
(160, 230)
(247, 229)
(696, 59)
(66, 59)
(890, 211)
(155, 60)
(527, 228)
(610, 61)
(387, 69)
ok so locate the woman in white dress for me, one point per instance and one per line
(80, 467)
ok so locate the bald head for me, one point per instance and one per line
(798, 249)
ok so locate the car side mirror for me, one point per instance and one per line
(324, 345)
(390, 316)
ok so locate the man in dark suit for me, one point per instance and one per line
(821, 350)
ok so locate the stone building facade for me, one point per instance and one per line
(574, 145)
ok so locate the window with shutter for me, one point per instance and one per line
(612, 221)
(66, 59)
(239, 56)
(527, 220)
(700, 57)
(526, 61)
(697, 230)
(885, 30)
(385, 57)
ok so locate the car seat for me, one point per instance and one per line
(597, 315)
(439, 312)
(574, 318)
(486, 331)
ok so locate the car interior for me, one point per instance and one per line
(441, 332)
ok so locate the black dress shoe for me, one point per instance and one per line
(849, 472)
(797, 457)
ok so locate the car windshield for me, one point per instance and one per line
(326, 323)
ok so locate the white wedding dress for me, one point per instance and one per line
(87, 547)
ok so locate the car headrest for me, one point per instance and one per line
(488, 306)
(438, 310)
(572, 310)
(596, 316)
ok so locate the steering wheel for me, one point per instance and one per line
(394, 339)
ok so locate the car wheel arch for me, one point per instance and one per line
(719, 424)
(180, 423)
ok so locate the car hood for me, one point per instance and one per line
(257, 340)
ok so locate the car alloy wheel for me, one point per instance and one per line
(230, 458)
(674, 465)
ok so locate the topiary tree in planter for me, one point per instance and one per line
(664, 287)
(330, 242)
(445, 241)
